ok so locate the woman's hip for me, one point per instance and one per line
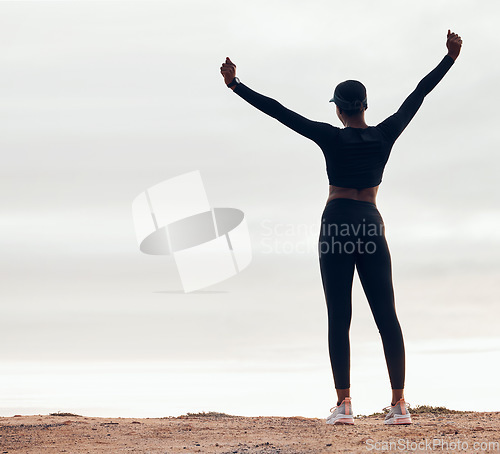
(351, 211)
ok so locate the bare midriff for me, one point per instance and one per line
(366, 194)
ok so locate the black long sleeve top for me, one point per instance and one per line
(355, 157)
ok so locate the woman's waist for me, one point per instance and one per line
(345, 201)
(361, 195)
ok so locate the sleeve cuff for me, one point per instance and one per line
(237, 88)
(449, 58)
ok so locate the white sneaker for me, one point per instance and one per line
(341, 414)
(398, 414)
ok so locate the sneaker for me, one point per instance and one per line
(341, 414)
(398, 414)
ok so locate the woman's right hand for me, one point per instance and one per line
(454, 44)
(228, 71)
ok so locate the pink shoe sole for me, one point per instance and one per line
(399, 421)
(344, 421)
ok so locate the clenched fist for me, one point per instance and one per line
(454, 44)
(228, 71)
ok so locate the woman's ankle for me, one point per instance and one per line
(397, 395)
(342, 394)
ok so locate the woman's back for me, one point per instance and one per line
(355, 156)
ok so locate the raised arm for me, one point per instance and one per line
(393, 126)
(313, 130)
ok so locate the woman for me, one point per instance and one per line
(352, 229)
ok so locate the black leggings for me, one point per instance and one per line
(352, 234)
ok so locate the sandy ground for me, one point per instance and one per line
(471, 432)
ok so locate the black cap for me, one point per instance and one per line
(350, 95)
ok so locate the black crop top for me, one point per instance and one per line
(355, 157)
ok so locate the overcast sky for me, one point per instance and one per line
(101, 100)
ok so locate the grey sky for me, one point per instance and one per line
(101, 100)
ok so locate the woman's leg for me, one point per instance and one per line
(375, 273)
(337, 272)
